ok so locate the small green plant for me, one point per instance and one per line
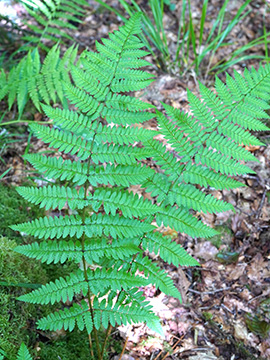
(13, 208)
(37, 81)
(107, 227)
(53, 19)
(16, 276)
(191, 48)
(23, 354)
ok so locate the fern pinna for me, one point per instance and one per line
(54, 18)
(41, 82)
(104, 227)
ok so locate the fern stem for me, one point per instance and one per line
(92, 313)
(85, 273)
(25, 121)
(125, 345)
(109, 329)
(108, 333)
(91, 345)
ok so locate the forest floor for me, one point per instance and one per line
(225, 312)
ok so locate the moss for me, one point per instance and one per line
(72, 346)
(13, 210)
(15, 315)
(223, 238)
(18, 319)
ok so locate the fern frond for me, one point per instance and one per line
(105, 313)
(31, 79)
(94, 249)
(221, 163)
(66, 142)
(197, 174)
(68, 120)
(79, 172)
(106, 226)
(168, 250)
(123, 135)
(158, 185)
(98, 280)
(190, 197)
(23, 353)
(96, 225)
(130, 205)
(166, 160)
(155, 275)
(53, 18)
(182, 221)
(54, 197)
(68, 318)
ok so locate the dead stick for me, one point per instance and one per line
(125, 345)
(174, 346)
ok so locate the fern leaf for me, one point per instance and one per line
(177, 138)
(98, 225)
(182, 221)
(94, 249)
(63, 141)
(197, 174)
(79, 172)
(23, 353)
(76, 315)
(130, 205)
(156, 276)
(168, 250)
(158, 185)
(80, 315)
(190, 197)
(54, 196)
(50, 14)
(166, 160)
(220, 163)
(68, 120)
(121, 135)
(98, 280)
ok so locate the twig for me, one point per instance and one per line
(108, 332)
(125, 344)
(91, 345)
(208, 292)
(258, 212)
(174, 346)
(227, 309)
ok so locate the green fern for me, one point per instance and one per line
(37, 81)
(54, 18)
(107, 228)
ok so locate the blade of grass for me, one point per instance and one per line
(218, 19)
(237, 57)
(224, 67)
(192, 36)
(23, 285)
(265, 35)
(218, 40)
(204, 11)
(108, 7)
(5, 173)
